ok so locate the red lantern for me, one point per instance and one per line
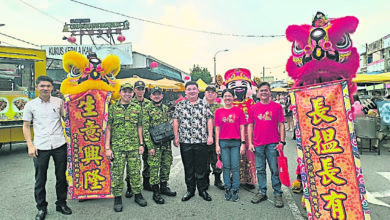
(71, 39)
(121, 38)
(153, 65)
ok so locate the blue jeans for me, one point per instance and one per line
(262, 153)
(230, 153)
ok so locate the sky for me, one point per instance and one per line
(41, 22)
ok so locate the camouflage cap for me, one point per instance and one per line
(126, 86)
(211, 88)
(156, 89)
(139, 84)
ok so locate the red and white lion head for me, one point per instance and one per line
(323, 51)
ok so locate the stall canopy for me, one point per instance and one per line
(279, 89)
(163, 83)
(372, 78)
(201, 85)
(169, 84)
(132, 80)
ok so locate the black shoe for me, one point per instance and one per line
(165, 190)
(146, 184)
(64, 209)
(139, 199)
(118, 204)
(156, 194)
(187, 196)
(129, 193)
(205, 196)
(41, 215)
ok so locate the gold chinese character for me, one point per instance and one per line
(329, 172)
(320, 111)
(91, 131)
(91, 153)
(92, 179)
(334, 204)
(89, 107)
(324, 141)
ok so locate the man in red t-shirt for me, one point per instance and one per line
(265, 131)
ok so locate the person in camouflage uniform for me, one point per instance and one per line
(139, 87)
(124, 145)
(159, 155)
(210, 98)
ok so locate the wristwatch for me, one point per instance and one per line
(282, 142)
(243, 142)
(142, 145)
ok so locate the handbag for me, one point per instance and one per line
(219, 164)
(162, 133)
(283, 167)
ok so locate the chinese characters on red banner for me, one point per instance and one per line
(325, 143)
(91, 172)
(324, 137)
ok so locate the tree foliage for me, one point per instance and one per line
(198, 72)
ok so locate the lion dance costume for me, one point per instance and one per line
(88, 89)
(322, 65)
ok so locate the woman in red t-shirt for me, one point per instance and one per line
(229, 131)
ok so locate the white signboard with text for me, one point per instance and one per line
(123, 51)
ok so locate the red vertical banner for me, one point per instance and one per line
(89, 173)
(331, 171)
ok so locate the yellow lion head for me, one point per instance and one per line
(90, 73)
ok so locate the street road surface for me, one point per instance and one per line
(17, 194)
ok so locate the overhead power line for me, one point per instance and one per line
(42, 12)
(19, 39)
(178, 27)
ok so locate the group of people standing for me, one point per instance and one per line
(128, 137)
(193, 127)
(203, 129)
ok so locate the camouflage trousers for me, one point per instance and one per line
(160, 164)
(212, 160)
(132, 158)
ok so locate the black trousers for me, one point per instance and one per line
(41, 163)
(194, 158)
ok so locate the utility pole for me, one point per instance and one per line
(263, 72)
(215, 63)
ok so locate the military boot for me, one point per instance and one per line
(146, 184)
(118, 204)
(139, 199)
(129, 192)
(217, 181)
(156, 194)
(165, 190)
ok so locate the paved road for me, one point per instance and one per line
(17, 200)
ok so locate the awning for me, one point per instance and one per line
(169, 84)
(279, 89)
(201, 85)
(163, 83)
(372, 78)
(132, 80)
